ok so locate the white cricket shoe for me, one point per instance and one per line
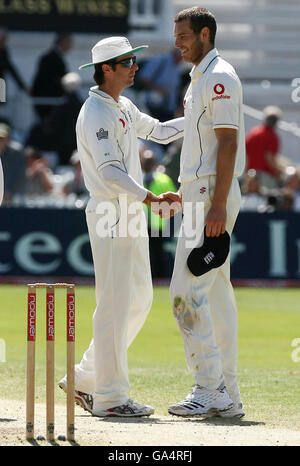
(236, 411)
(202, 401)
(84, 400)
(129, 409)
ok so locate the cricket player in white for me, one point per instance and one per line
(212, 157)
(107, 130)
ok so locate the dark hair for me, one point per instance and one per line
(99, 74)
(271, 120)
(199, 18)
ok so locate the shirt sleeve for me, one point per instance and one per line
(99, 132)
(169, 131)
(223, 100)
(148, 127)
(145, 124)
(123, 182)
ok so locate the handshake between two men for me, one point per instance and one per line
(165, 205)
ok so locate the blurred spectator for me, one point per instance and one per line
(157, 182)
(64, 118)
(253, 198)
(287, 199)
(161, 76)
(293, 183)
(6, 66)
(273, 200)
(262, 147)
(41, 137)
(39, 177)
(13, 163)
(51, 68)
(75, 183)
(293, 179)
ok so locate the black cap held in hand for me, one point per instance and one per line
(212, 254)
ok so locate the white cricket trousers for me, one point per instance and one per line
(124, 297)
(205, 307)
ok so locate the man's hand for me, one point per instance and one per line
(216, 220)
(171, 197)
(170, 204)
(227, 147)
(166, 205)
(151, 198)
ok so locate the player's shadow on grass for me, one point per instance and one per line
(216, 421)
(172, 420)
(131, 420)
(7, 420)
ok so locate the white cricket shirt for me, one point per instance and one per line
(213, 100)
(107, 133)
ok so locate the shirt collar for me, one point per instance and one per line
(94, 91)
(199, 70)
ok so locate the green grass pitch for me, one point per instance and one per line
(269, 378)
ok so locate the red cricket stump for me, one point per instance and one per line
(50, 336)
(70, 362)
(31, 334)
(50, 362)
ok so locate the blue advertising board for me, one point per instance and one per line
(266, 246)
(40, 242)
(55, 242)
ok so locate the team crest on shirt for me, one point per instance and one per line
(203, 190)
(102, 134)
(219, 89)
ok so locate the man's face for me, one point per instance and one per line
(189, 43)
(122, 74)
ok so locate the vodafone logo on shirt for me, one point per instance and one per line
(219, 89)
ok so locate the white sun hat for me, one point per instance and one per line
(110, 48)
